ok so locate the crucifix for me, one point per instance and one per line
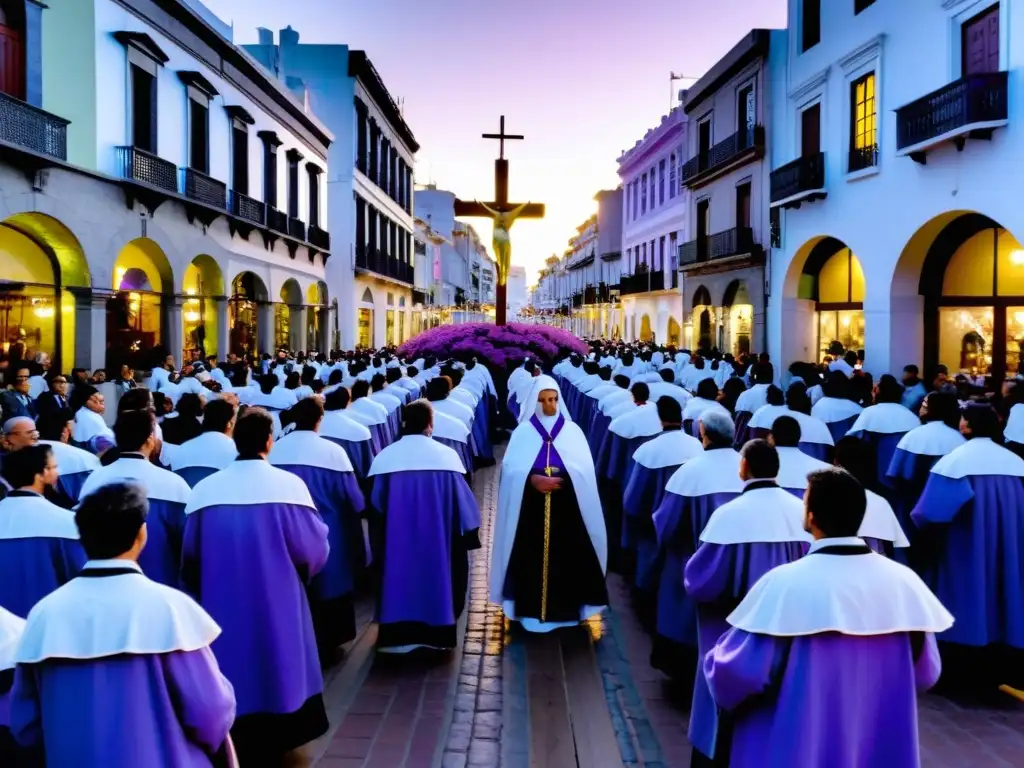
(503, 214)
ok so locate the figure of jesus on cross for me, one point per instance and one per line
(503, 215)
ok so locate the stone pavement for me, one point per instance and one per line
(506, 699)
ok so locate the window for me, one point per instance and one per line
(643, 193)
(270, 145)
(362, 138)
(810, 25)
(661, 182)
(745, 116)
(979, 43)
(860, 5)
(199, 136)
(743, 205)
(863, 134)
(810, 131)
(703, 228)
(293, 156)
(385, 167)
(239, 157)
(672, 175)
(636, 206)
(360, 227)
(661, 253)
(313, 171)
(704, 140)
(643, 256)
(374, 159)
(627, 203)
(629, 258)
(12, 49)
(652, 188)
(143, 109)
(775, 224)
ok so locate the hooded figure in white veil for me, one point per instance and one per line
(551, 547)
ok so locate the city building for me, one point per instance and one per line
(722, 264)
(161, 193)
(371, 180)
(893, 146)
(593, 267)
(518, 291)
(655, 210)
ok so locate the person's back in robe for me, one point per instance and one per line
(114, 669)
(824, 655)
(75, 465)
(253, 541)
(202, 456)
(430, 519)
(11, 627)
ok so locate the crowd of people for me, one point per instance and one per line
(913, 490)
(184, 572)
(799, 545)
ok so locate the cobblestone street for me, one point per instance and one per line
(584, 698)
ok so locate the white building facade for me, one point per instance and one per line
(722, 264)
(893, 145)
(371, 183)
(151, 202)
(655, 211)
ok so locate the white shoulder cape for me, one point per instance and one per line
(214, 450)
(160, 484)
(642, 421)
(33, 517)
(933, 439)
(669, 449)
(416, 453)
(716, 471)
(763, 515)
(89, 424)
(304, 448)
(831, 409)
(11, 628)
(71, 460)
(450, 428)
(979, 456)
(765, 416)
(886, 419)
(249, 483)
(1014, 429)
(93, 618)
(752, 399)
(861, 595)
(523, 447)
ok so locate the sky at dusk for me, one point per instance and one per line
(582, 79)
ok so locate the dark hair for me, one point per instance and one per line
(109, 519)
(361, 388)
(51, 424)
(669, 410)
(605, 373)
(667, 375)
(911, 369)
(377, 382)
(21, 467)
(591, 367)
(836, 384)
(337, 399)
(797, 398)
(138, 399)
(335, 376)
(762, 459)
(707, 389)
(412, 371)
(416, 417)
(858, 457)
(217, 416)
(621, 381)
(774, 396)
(190, 406)
(393, 375)
(305, 414)
(942, 406)
(641, 392)
(438, 388)
(731, 391)
(268, 382)
(889, 390)
(252, 431)
(308, 374)
(837, 500)
(983, 422)
(292, 380)
(132, 429)
(763, 372)
(786, 432)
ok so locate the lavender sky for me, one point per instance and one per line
(582, 79)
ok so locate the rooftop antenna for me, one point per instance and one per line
(672, 78)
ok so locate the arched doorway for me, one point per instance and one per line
(703, 319)
(291, 302)
(12, 48)
(401, 319)
(203, 281)
(39, 260)
(248, 292)
(365, 325)
(738, 318)
(646, 334)
(135, 313)
(674, 332)
(316, 302)
(972, 281)
(389, 321)
(832, 277)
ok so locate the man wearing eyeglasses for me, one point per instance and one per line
(16, 400)
(55, 399)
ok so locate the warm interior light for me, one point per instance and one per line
(845, 321)
(1017, 257)
(119, 274)
(1019, 317)
(192, 316)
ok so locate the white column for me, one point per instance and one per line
(172, 331)
(265, 328)
(90, 328)
(323, 342)
(297, 328)
(223, 328)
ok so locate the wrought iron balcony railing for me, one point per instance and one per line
(245, 207)
(319, 237)
(145, 167)
(204, 189)
(642, 282)
(805, 174)
(277, 220)
(297, 228)
(723, 153)
(32, 128)
(737, 241)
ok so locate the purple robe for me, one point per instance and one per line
(360, 453)
(717, 578)
(644, 493)
(430, 519)
(482, 432)
(171, 710)
(253, 541)
(827, 699)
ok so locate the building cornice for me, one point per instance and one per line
(361, 68)
(862, 54)
(809, 85)
(654, 140)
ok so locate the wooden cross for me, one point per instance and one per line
(501, 136)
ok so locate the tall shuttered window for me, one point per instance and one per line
(863, 125)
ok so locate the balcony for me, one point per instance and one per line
(862, 158)
(204, 189)
(373, 260)
(245, 207)
(642, 282)
(321, 238)
(577, 300)
(277, 220)
(297, 228)
(800, 181)
(146, 168)
(33, 129)
(738, 241)
(746, 144)
(969, 108)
